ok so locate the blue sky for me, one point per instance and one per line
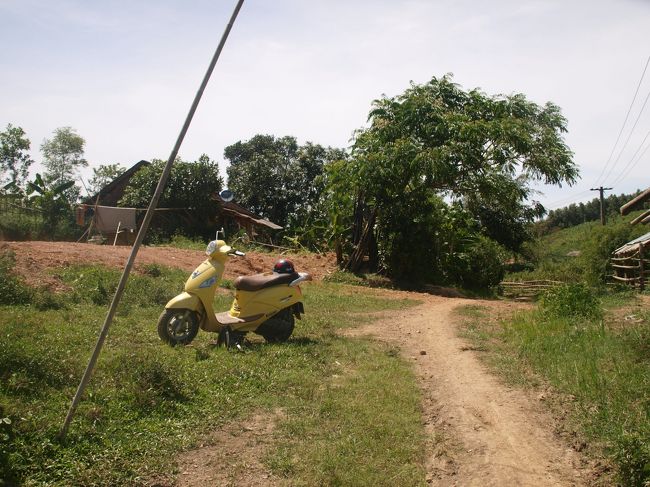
(123, 73)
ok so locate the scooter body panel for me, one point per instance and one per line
(262, 304)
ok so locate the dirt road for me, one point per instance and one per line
(492, 435)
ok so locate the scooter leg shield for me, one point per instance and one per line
(184, 300)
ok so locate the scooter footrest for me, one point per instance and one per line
(225, 319)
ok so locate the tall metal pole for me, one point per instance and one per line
(145, 225)
(602, 202)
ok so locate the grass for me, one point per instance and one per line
(600, 369)
(147, 401)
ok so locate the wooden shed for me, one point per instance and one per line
(631, 262)
(106, 201)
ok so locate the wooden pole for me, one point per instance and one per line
(602, 202)
(641, 218)
(117, 233)
(641, 268)
(630, 205)
(145, 225)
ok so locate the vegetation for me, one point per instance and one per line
(191, 185)
(577, 213)
(146, 401)
(102, 175)
(63, 156)
(279, 179)
(577, 254)
(433, 143)
(599, 366)
(15, 160)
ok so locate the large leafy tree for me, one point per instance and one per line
(190, 189)
(277, 178)
(63, 155)
(435, 144)
(14, 156)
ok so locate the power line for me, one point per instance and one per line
(629, 136)
(630, 164)
(567, 200)
(624, 121)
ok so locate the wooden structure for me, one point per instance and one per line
(232, 215)
(635, 203)
(527, 289)
(631, 262)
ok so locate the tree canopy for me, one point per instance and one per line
(437, 151)
(63, 155)
(191, 186)
(277, 178)
(14, 156)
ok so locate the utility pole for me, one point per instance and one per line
(602, 202)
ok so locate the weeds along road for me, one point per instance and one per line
(481, 432)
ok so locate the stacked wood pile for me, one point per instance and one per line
(631, 263)
(527, 289)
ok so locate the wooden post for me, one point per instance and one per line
(117, 233)
(641, 268)
(143, 229)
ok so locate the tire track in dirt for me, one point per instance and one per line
(481, 432)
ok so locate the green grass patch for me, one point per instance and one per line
(147, 401)
(602, 365)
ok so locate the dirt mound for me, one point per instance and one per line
(34, 258)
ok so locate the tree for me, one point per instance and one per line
(277, 178)
(63, 155)
(50, 200)
(14, 157)
(191, 186)
(104, 174)
(436, 144)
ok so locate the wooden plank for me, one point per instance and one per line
(642, 217)
(618, 266)
(625, 279)
(629, 206)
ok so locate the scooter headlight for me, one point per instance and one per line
(210, 249)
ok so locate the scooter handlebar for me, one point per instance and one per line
(238, 253)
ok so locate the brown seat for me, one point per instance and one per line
(262, 281)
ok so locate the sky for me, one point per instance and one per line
(123, 73)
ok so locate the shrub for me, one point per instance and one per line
(571, 301)
(632, 453)
(481, 265)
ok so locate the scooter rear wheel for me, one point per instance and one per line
(178, 326)
(278, 328)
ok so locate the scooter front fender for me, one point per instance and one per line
(186, 301)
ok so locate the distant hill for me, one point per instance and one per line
(579, 213)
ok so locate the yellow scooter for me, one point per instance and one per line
(264, 303)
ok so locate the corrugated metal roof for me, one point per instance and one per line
(633, 244)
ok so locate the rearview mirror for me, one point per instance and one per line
(227, 195)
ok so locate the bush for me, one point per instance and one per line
(481, 265)
(632, 453)
(571, 301)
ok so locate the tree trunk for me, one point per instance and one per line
(361, 250)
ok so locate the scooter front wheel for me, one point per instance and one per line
(178, 326)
